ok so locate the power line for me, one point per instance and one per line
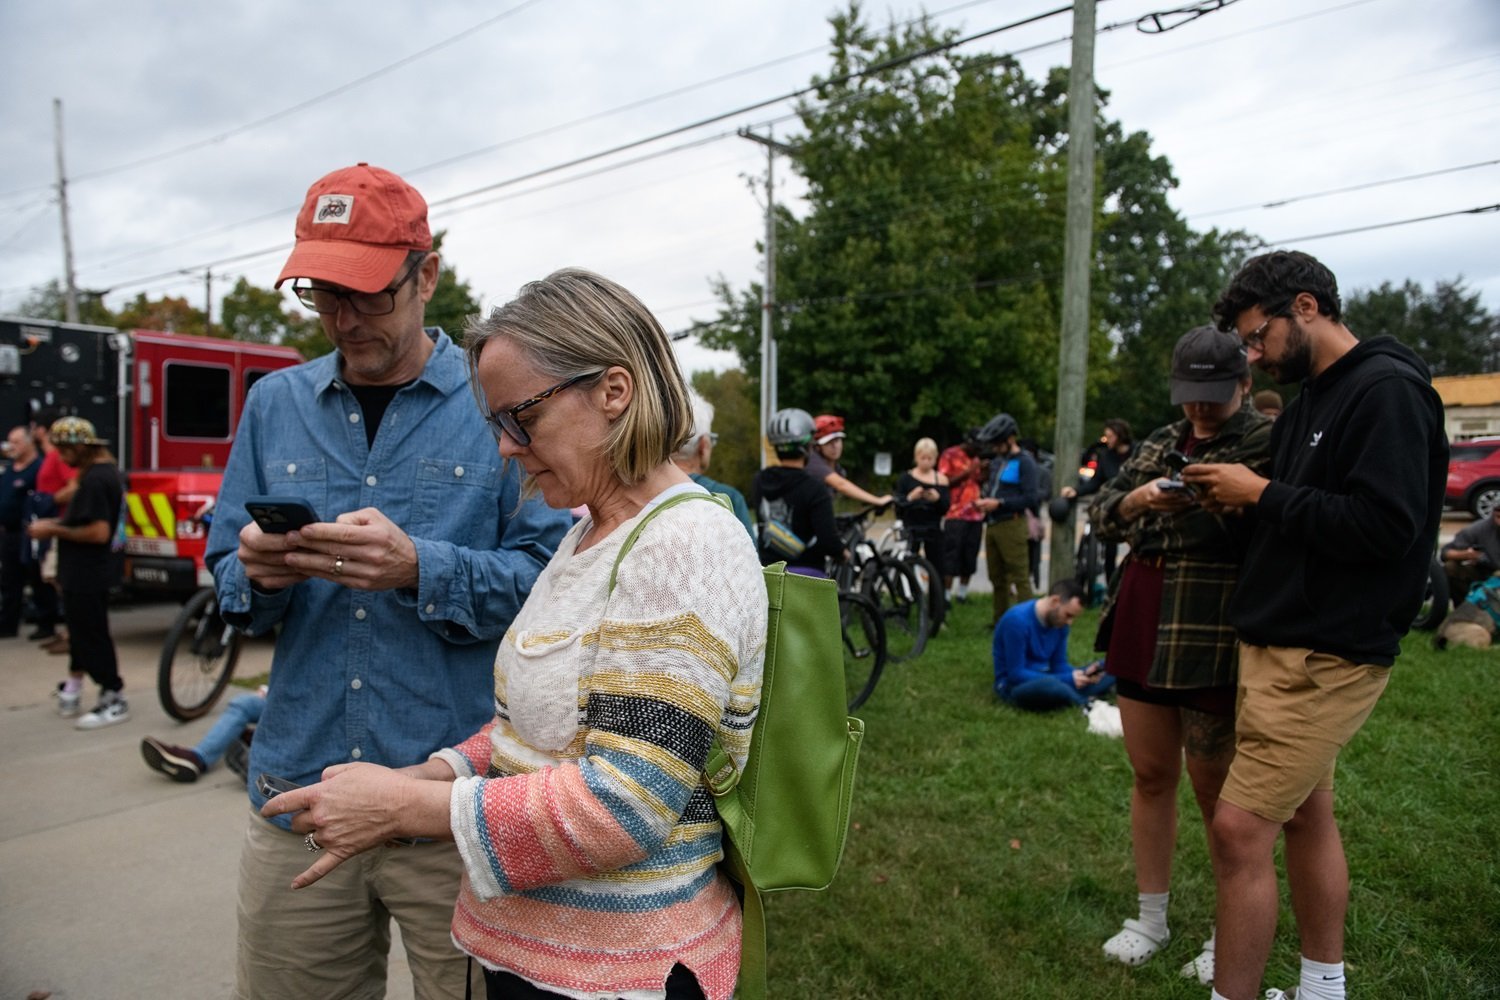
(1481, 210)
(1280, 202)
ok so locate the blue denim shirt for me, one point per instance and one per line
(380, 676)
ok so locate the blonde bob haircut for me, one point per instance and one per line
(926, 446)
(574, 322)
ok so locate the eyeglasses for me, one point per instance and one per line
(381, 303)
(1257, 338)
(505, 420)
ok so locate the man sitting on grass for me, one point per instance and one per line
(1031, 654)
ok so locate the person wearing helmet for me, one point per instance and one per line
(788, 495)
(87, 567)
(1013, 488)
(823, 461)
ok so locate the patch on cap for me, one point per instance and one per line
(335, 208)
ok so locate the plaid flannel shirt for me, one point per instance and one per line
(1200, 552)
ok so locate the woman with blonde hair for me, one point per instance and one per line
(588, 836)
(922, 500)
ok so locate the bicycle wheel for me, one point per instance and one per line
(932, 585)
(1088, 565)
(892, 585)
(864, 646)
(197, 658)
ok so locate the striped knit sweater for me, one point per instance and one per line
(589, 841)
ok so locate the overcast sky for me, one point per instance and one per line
(174, 167)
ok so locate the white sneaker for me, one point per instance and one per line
(68, 702)
(110, 710)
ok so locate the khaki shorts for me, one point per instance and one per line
(1295, 711)
(330, 939)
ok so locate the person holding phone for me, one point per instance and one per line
(589, 835)
(389, 609)
(1162, 625)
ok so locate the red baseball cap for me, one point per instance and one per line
(356, 228)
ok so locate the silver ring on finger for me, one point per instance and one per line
(310, 843)
(338, 566)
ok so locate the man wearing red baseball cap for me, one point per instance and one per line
(389, 611)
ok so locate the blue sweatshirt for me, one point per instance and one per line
(1025, 649)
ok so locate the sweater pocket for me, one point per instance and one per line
(545, 687)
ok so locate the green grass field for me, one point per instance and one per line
(990, 849)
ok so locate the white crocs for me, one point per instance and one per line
(1202, 967)
(1136, 943)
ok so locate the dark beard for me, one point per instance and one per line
(1296, 357)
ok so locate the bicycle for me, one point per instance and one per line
(891, 583)
(197, 658)
(861, 624)
(897, 544)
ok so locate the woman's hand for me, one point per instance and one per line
(359, 806)
(1151, 497)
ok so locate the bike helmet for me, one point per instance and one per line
(790, 429)
(827, 426)
(1059, 509)
(1000, 427)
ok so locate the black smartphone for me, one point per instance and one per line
(278, 515)
(1177, 461)
(271, 786)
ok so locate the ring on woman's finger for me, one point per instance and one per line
(310, 844)
(338, 565)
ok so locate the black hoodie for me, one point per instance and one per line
(812, 512)
(1346, 528)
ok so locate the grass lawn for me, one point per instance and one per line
(990, 849)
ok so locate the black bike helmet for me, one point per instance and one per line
(999, 428)
(790, 429)
(1059, 509)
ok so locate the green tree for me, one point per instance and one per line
(259, 315)
(49, 302)
(737, 454)
(172, 314)
(922, 291)
(1448, 327)
(453, 301)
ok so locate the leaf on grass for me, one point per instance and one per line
(880, 879)
(1015, 845)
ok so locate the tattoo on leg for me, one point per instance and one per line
(1207, 736)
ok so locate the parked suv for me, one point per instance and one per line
(1474, 476)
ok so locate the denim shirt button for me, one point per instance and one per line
(355, 753)
(356, 684)
(354, 418)
(459, 472)
(291, 468)
(359, 613)
(430, 608)
(370, 480)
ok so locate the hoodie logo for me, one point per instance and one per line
(1317, 436)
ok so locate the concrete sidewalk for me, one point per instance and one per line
(114, 881)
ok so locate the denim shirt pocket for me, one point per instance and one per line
(304, 476)
(545, 690)
(453, 498)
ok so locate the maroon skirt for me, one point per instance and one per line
(1137, 611)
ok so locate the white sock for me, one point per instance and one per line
(963, 591)
(73, 684)
(1216, 995)
(1321, 980)
(1154, 911)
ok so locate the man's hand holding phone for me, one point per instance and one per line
(266, 540)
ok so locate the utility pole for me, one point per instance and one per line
(208, 302)
(1078, 252)
(70, 285)
(768, 295)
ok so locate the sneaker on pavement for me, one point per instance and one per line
(69, 703)
(110, 710)
(177, 763)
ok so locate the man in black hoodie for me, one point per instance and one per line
(786, 495)
(1332, 579)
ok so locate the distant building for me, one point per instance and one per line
(1472, 404)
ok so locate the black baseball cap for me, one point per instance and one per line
(1207, 364)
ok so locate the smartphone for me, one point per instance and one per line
(1173, 486)
(1177, 461)
(271, 786)
(278, 515)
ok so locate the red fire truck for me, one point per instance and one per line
(168, 403)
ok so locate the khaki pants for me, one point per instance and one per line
(1008, 563)
(330, 939)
